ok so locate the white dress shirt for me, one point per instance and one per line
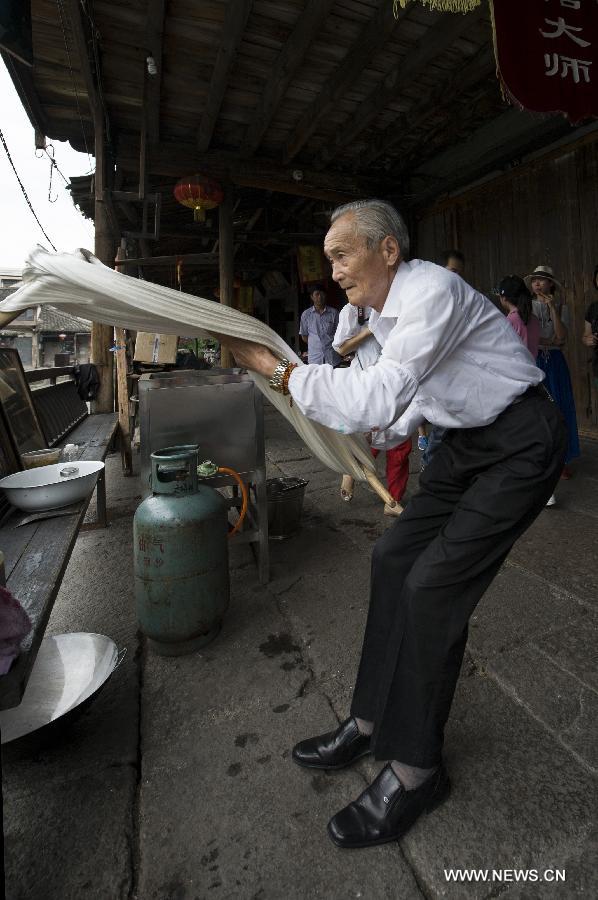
(369, 350)
(448, 357)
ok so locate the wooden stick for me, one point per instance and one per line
(6, 317)
(377, 486)
(122, 395)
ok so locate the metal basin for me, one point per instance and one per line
(51, 487)
(69, 670)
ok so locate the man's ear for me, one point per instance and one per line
(391, 250)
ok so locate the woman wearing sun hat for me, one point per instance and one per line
(553, 316)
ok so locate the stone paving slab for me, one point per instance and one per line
(519, 800)
(223, 810)
(560, 547)
(239, 820)
(520, 607)
(566, 706)
(71, 838)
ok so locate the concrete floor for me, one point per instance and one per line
(176, 783)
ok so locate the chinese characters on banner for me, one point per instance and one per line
(547, 54)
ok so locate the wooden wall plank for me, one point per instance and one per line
(543, 213)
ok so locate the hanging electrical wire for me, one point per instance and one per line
(9, 157)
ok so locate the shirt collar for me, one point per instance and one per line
(390, 310)
(391, 304)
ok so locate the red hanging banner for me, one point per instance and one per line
(547, 54)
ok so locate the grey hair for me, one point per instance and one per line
(376, 219)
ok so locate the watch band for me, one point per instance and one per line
(276, 381)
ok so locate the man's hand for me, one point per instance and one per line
(590, 340)
(250, 355)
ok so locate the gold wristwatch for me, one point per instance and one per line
(276, 381)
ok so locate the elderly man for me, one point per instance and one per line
(449, 357)
(317, 329)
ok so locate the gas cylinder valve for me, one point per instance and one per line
(207, 468)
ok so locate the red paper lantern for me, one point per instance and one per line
(199, 193)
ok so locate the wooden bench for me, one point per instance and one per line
(37, 554)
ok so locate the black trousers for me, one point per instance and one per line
(481, 491)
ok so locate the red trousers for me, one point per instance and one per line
(397, 468)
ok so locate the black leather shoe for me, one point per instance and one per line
(333, 750)
(386, 811)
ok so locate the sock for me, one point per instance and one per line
(411, 777)
(364, 726)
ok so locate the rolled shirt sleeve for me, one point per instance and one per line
(347, 326)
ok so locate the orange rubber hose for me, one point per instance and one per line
(226, 471)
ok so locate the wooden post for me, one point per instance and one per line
(122, 388)
(35, 339)
(105, 247)
(226, 258)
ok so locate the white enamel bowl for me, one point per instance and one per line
(51, 487)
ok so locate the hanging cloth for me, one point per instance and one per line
(80, 284)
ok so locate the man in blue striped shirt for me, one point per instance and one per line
(317, 329)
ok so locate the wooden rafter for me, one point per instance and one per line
(438, 39)
(154, 29)
(23, 81)
(487, 149)
(237, 13)
(173, 158)
(82, 53)
(373, 36)
(289, 59)
(480, 67)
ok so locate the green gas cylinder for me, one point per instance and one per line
(181, 555)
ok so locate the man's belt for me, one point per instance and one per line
(534, 390)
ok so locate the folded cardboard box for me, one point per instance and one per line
(159, 349)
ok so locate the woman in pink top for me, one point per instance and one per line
(516, 300)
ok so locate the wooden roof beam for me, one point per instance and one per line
(23, 81)
(82, 51)
(478, 68)
(154, 29)
(487, 150)
(172, 158)
(287, 63)
(370, 39)
(235, 19)
(434, 42)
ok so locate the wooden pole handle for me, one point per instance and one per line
(6, 317)
(377, 486)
